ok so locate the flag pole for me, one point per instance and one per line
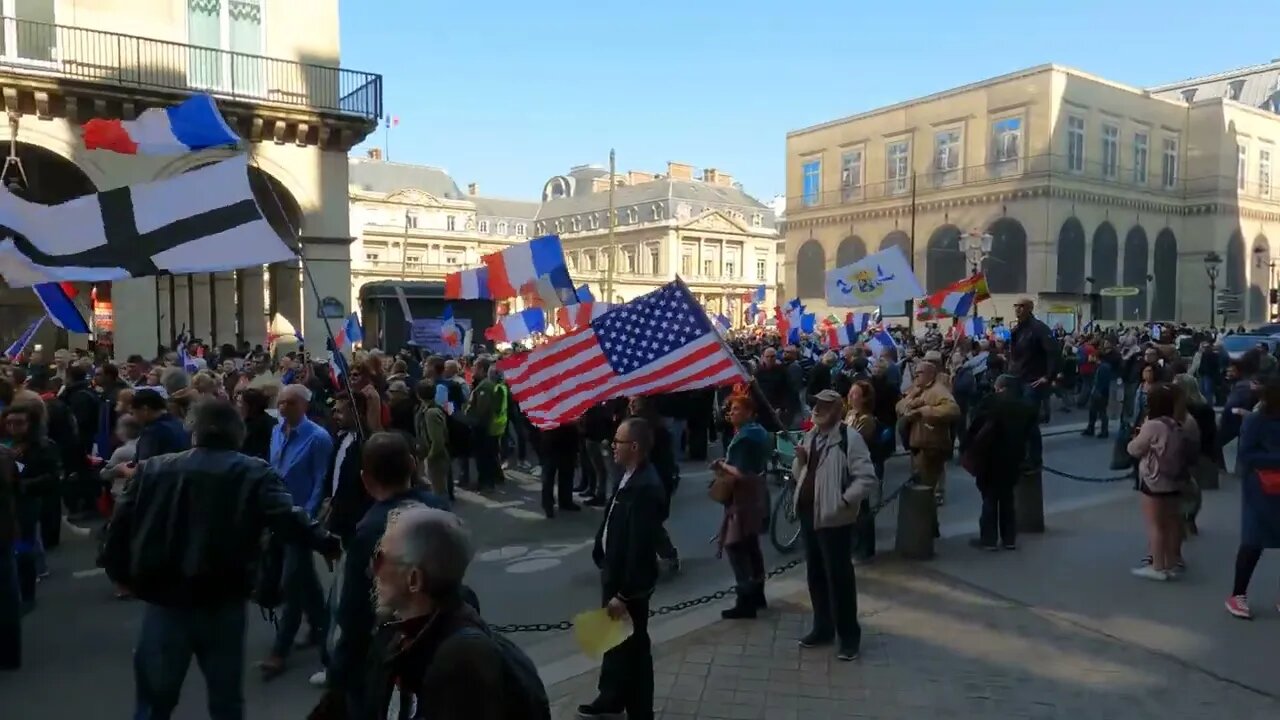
(613, 222)
(295, 240)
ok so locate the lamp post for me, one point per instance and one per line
(977, 248)
(1261, 259)
(1212, 264)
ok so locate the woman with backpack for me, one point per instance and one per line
(1164, 450)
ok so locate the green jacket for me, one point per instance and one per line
(501, 400)
(429, 425)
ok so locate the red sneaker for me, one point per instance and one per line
(1238, 605)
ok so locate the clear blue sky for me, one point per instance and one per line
(507, 93)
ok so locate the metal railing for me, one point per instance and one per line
(40, 48)
(1036, 167)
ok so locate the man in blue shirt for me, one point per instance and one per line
(300, 452)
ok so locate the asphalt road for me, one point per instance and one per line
(528, 570)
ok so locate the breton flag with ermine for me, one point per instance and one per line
(662, 342)
(201, 221)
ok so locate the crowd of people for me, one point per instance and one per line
(197, 454)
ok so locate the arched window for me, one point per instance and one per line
(1071, 257)
(811, 268)
(1006, 267)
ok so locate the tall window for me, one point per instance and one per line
(411, 219)
(1110, 151)
(898, 171)
(230, 25)
(520, 229)
(1140, 150)
(1075, 144)
(29, 36)
(628, 260)
(450, 223)
(1006, 140)
(708, 268)
(502, 228)
(850, 177)
(946, 155)
(1242, 166)
(762, 270)
(1264, 173)
(811, 172)
(686, 262)
(484, 226)
(1169, 163)
(655, 260)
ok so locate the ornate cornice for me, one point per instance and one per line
(901, 208)
(79, 101)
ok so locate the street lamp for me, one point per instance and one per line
(1262, 258)
(1212, 264)
(977, 248)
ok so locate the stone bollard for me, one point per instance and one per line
(1028, 501)
(917, 522)
(1206, 475)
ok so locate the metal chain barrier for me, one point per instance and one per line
(1083, 478)
(695, 602)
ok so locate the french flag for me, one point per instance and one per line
(470, 284)
(722, 324)
(974, 327)
(553, 290)
(518, 326)
(521, 265)
(57, 301)
(840, 335)
(192, 125)
(570, 317)
(880, 342)
(351, 332)
(450, 332)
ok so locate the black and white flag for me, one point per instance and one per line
(201, 221)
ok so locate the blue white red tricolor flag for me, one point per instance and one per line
(57, 301)
(194, 124)
(350, 334)
(974, 327)
(450, 331)
(25, 338)
(518, 326)
(662, 342)
(572, 317)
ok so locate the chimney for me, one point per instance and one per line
(375, 153)
(473, 189)
(635, 177)
(709, 176)
(600, 184)
(724, 178)
(679, 171)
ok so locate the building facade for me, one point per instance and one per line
(412, 222)
(1082, 183)
(721, 241)
(275, 75)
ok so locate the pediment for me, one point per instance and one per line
(410, 196)
(714, 221)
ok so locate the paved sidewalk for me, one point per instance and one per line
(931, 648)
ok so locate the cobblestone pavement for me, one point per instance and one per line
(937, 650)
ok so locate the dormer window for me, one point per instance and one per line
(576, 223)
(1235, 89)
(632, 215)
(1189, 94)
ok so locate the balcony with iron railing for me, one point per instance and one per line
(1063, 168)
(127, 61)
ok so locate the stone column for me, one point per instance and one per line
(286, 293)
(329, 266)
(181, 304)
(251, 310)
(138, 316)
(224, 309)
(201, 306)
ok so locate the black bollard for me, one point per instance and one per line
(1028, 501)
(917, 522)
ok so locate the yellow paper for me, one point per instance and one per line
(597, 633)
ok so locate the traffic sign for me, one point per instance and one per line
(1119, 291)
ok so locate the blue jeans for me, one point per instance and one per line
(168, 640)
(1207, 388)
(302, 594)
(10, 610)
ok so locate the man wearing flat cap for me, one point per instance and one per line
(928, 411)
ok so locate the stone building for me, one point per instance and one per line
(275, 74)
(1081, 182)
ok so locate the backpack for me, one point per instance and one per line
(529, 701)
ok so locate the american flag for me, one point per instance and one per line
(662, 342)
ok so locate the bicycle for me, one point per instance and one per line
(784, 523)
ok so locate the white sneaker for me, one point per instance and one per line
(1148, 572)
(74, 531)
(319, 679)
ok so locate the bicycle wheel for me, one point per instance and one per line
(784, 526)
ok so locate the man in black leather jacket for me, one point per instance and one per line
(184, 539)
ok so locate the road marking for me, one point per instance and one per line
(92, 572)
(522, 559)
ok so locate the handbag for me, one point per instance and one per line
(1270, 481)
(721, 488)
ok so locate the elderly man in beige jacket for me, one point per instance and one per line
(834, 472)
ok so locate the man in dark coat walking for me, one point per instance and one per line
(997, 446)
